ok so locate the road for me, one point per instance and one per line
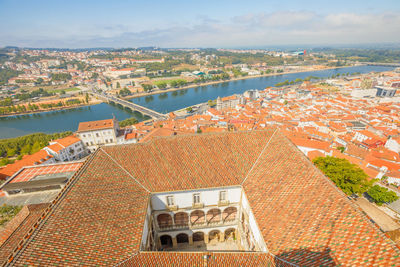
(385, 222)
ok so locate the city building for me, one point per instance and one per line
(96, 133)
(66, 149)
(38, 158)
(247, 198)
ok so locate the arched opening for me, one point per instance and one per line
(214, 235)
(230, 234)
(182, 238)
(198, 236)
(197, 217)
(214, 215)
(164, 220)
(229, 214)
(166, 241)
(181, 219)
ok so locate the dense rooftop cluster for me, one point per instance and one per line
(304, 219)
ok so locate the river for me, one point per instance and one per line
(68, 120)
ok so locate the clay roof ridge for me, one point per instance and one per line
(122, 168)
(258, 158)
(127, 259)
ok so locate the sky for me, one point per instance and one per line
(204, 23)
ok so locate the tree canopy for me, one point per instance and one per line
(382, 195)
(347, 176)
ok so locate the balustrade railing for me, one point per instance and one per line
(191, 225)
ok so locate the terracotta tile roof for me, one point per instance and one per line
(28, 173)
(302, 209)
(304, 219)
(67, 141)
(33, 213)
(36, 158)
(95, 125)
(98, 222)
(56, 147)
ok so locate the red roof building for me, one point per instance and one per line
(298, 216)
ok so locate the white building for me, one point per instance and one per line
(393, 144)
(66, 149)
(204, 215)
(96, 133)
(361, 93)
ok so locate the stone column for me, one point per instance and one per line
(174, 242)
(206, 238)
(221, 237)
(159, 243)
(191, 240)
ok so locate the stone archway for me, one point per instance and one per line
(214, 236)
(229, 214)
(198, 236)
(164, 220)
(181, 219)
(214, 215)
(230, 234)
(166, 241)
(197, 217)
(182, 238)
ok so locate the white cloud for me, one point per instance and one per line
(260, 29)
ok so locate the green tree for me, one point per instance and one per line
(118, 85)
(382, 195)
(147, 87)
(129, 121)
(347, 176)
(4, 161)
(26, 149)
(162, 85)
(95, 75)
(11, 152)
(36, 147)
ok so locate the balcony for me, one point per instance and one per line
(175, 227)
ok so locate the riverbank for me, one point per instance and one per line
(59, 121)
(94, 102)
(158, 91)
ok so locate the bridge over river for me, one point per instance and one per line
(134, 107)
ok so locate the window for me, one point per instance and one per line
(87, 143)
(196, 198)
(83, 135)
(170, 201)
(97, 134)
(222, 196)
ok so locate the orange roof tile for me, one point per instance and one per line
(29, 160)
(95, 125)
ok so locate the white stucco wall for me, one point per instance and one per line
(253, 224)
(185, 198)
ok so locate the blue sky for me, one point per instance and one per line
(177, 23)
